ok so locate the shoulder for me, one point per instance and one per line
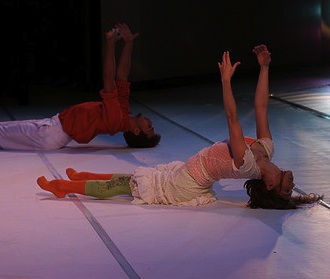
(268, 146)
(250, 168)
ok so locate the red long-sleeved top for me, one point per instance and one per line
(83, 122)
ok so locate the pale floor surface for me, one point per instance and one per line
(81, 237)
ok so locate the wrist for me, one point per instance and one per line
(129, 41)
(226, 80)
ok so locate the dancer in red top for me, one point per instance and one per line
(83, 122)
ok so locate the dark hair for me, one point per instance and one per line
(260, 197)
(141, 140)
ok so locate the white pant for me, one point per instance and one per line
(40, 134)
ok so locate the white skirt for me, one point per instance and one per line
(169, 184)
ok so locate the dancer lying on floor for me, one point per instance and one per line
(190, 183)
(83, 122)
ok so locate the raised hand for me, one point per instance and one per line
(112, 35)
(263, 55)
(226, 68)
(125, 32)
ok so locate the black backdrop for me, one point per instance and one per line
(60, 42)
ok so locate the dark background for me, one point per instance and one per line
(61, 43)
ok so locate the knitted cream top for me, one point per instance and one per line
(215, 162)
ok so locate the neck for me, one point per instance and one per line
(266, 167)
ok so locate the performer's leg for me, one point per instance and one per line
(119, 184)
(38, 134)
(18, 135)
(60, 188)
(84, 175)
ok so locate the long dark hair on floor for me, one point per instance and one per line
(260, 197)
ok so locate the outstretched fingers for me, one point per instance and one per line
(224, 62)
(226, 58)
(226, 67)
(125, 32)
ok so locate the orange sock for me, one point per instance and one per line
(83, 175)
(60, 188)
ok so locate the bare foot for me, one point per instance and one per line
(51, 186)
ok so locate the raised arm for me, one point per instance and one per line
(237, 142)
(109, 62)
(262, 92)
(124, 64)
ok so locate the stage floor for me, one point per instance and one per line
(81, 237)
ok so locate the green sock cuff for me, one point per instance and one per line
(103, 189)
